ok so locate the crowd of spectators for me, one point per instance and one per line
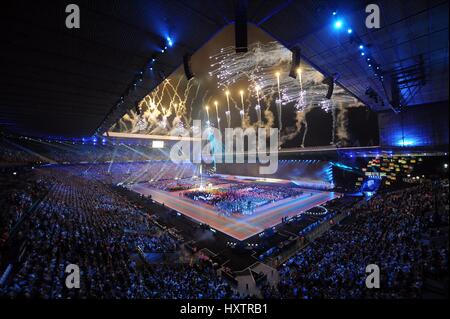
(34, 151)
(177, 184)
(84, 222)
(395, 231)
(134, 172)
(70, 214)
(10, 154)
(182, 281)
(18, 192)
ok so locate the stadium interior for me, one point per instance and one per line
(227, 149)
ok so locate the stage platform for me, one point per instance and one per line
(240, 227)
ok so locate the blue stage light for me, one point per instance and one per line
(349, 31)
(338, 24)
(169, 41)
(362, 53)
(406, 142)
(361, 47)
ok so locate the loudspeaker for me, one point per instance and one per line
(187, 66)
(295, 64)
(240, 27)
(330, 82)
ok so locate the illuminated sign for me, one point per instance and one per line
(375, 174)
(158, 144)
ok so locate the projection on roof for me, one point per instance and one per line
(242, 90)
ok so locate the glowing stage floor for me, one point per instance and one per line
(238, 227)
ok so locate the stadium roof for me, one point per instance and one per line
(64, 82)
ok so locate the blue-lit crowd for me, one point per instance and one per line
(72, 214)
(37, 151)
(85, 222)
(404, 233)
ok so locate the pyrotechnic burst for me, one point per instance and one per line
(141, 124)
(265, 67)
(162, 109)
(259, 67)
(251, 82)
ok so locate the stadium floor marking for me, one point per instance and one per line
(240, 229)
(197, 212)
